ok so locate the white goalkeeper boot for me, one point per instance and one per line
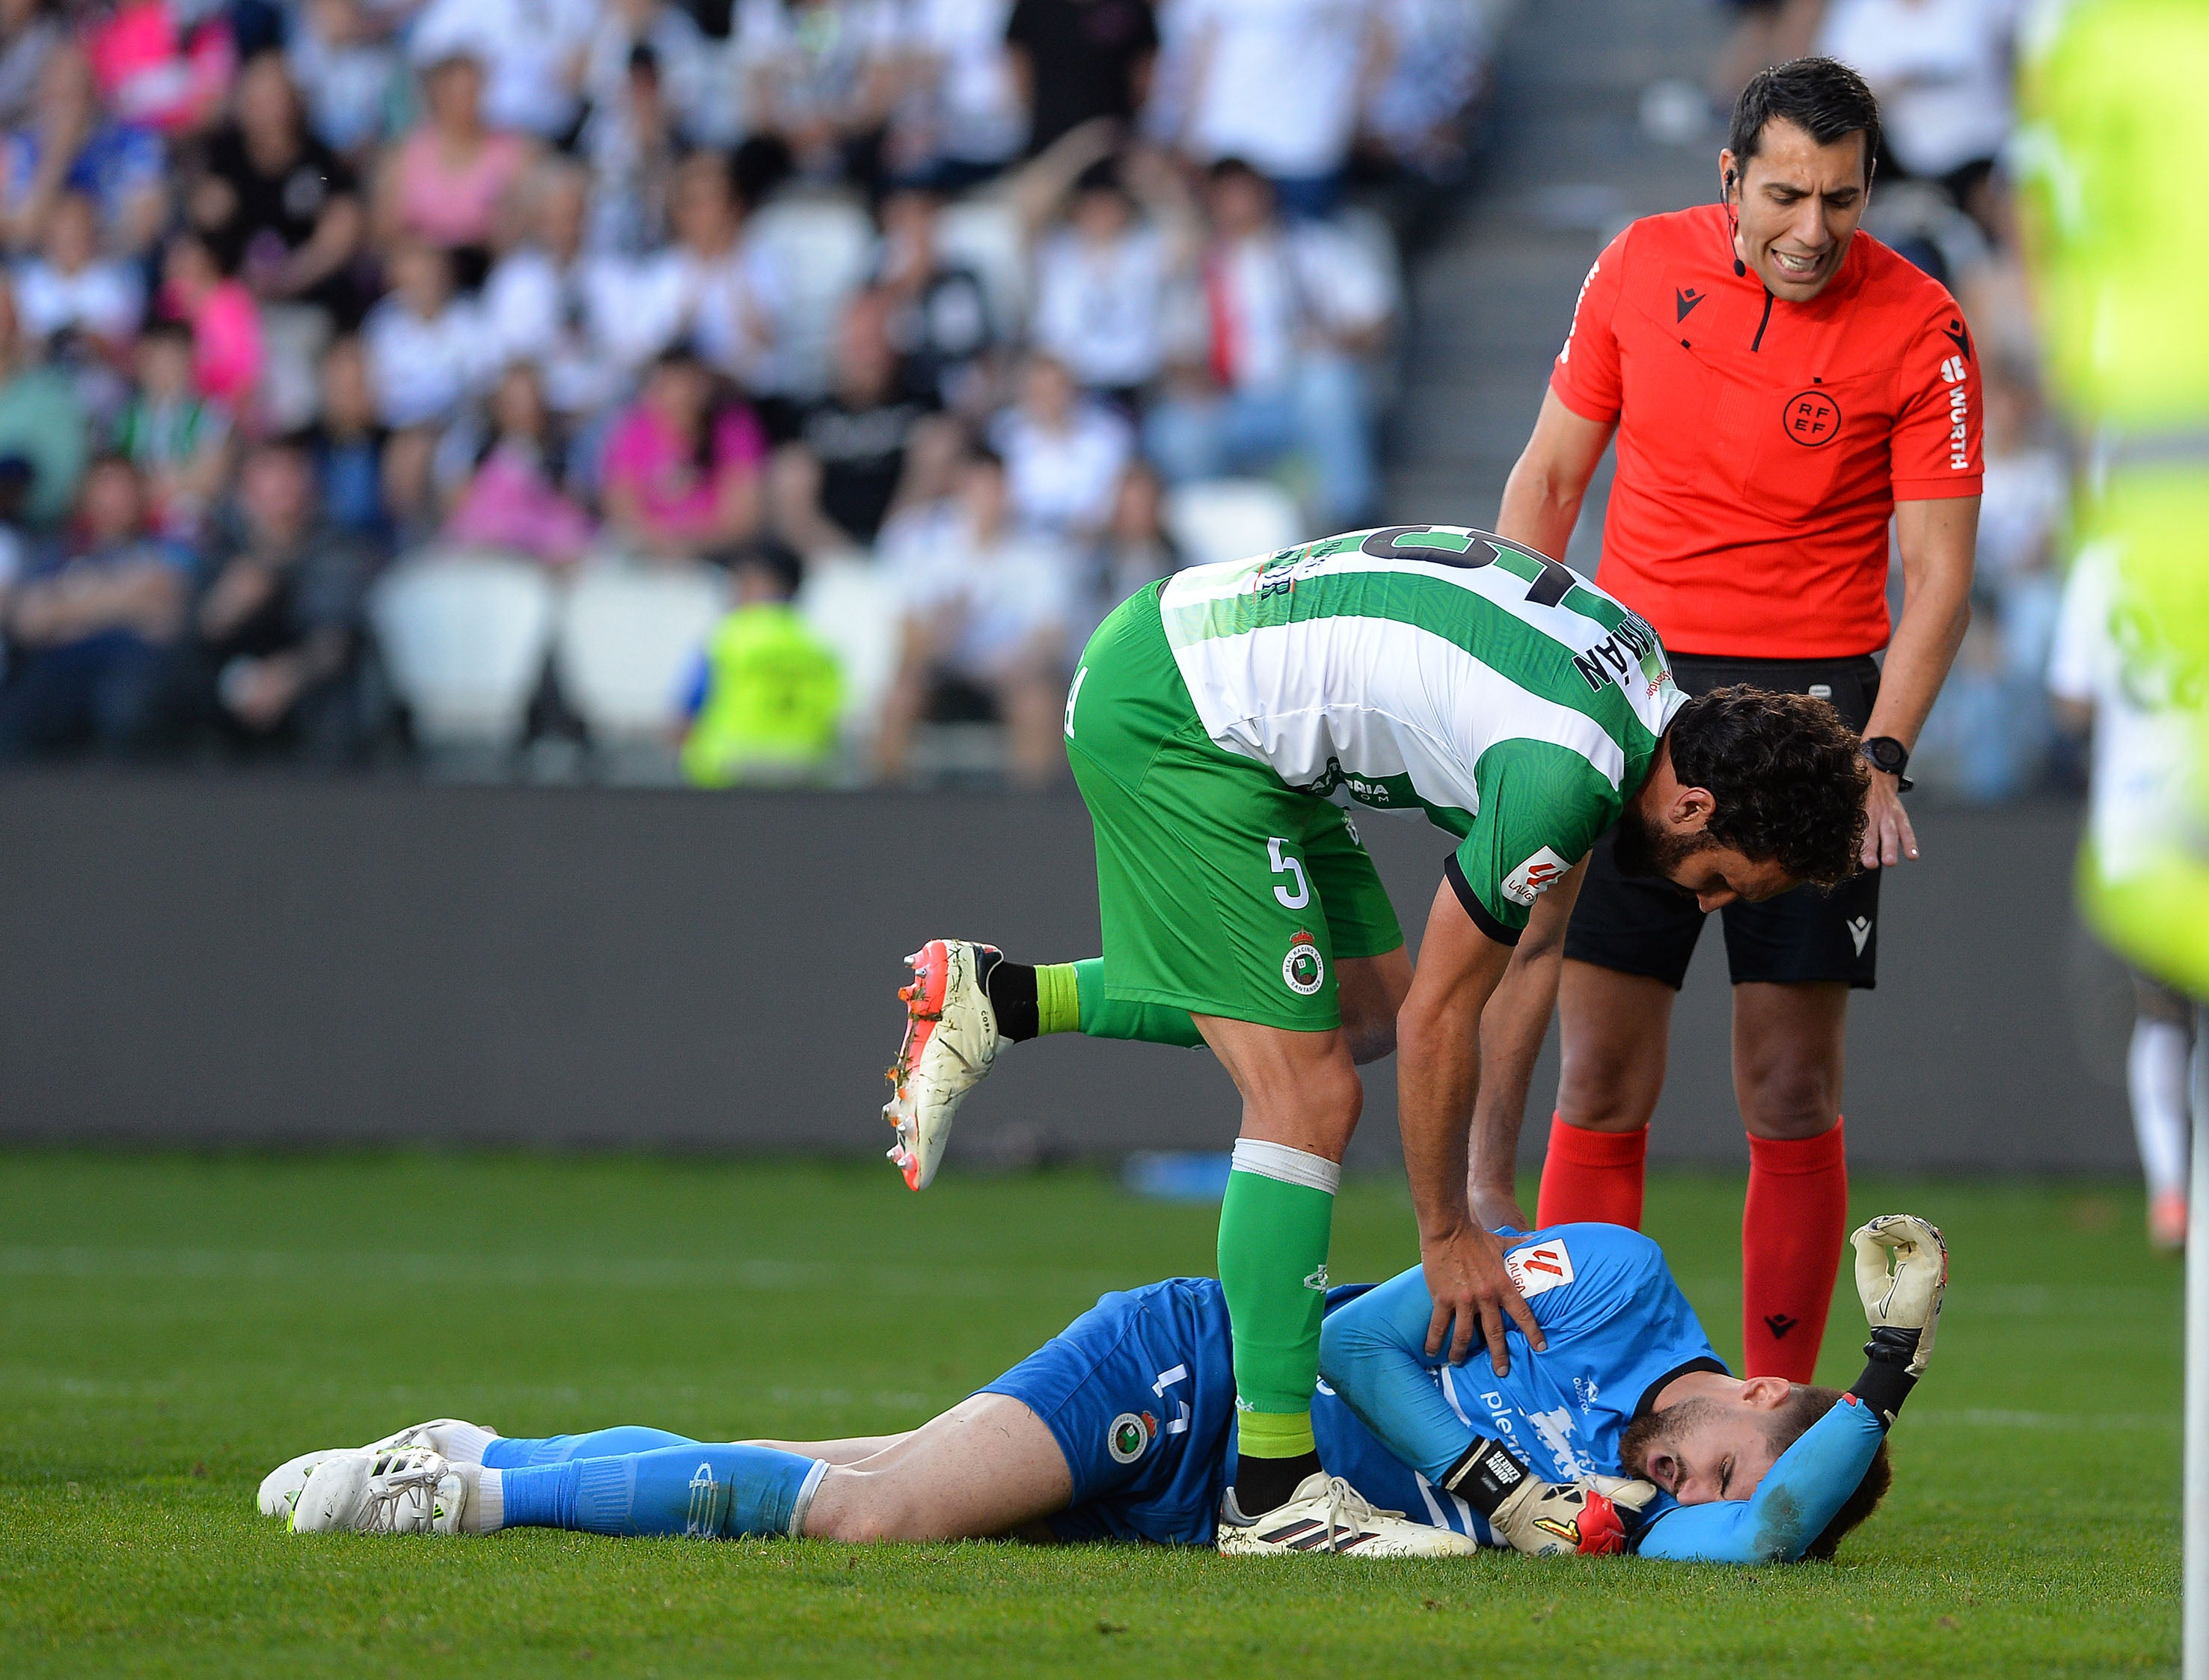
(951, 1040)
(393, 1490)
(452, 1438)
(1326, 1514)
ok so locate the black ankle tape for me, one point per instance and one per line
(1011, 990)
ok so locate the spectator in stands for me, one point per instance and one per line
(713, 289)
(940, 322)
(277, 629)
(163, 65)
(227, 351)
(42, 423)
(1063, 452)
(767, 694)
(831, 489)
(1279, 84)
(1417, 114)
(349, 75)
(820, 74)
(426, 353)
(509, 474)
(444, 183)
(1942, 72)
(551, 303)
(682, 468)
(70, 289)
(178, 437)
(1133, 549)
(959, 118)
(95, 627)
(1292, 311)
(985, 605)
(1108, 279)
(280, 207)
(69, 142)
(635, 150)
(530, 52)
(346, 447)
(30, 30)
(1075, 61)
(693, 81)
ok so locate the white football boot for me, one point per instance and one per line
(453, 1438)
(393, 1490)
(951, 1039)
(1326, 1514)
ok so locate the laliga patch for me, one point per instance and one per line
(1534, 878)
(1304, 971)
(1540, 1266)
(1130, 1437)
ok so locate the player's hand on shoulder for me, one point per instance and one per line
(1592, 1517)
(1902, 1272)
(1472, 1291)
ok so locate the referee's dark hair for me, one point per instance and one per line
(1822, 97)
(1785, 773)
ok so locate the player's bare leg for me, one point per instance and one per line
(850, 1450)
(988, 1468)
(1370, 991)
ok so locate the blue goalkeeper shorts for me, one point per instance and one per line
(1140, 1393)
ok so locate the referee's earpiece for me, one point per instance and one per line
(1733, 223)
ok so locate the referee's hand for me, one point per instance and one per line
(1888, 838)
(1470, 1285)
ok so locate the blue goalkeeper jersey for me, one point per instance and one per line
(1393, 1421)
(1619, 1329)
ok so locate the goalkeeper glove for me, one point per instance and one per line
(1590, 1517)
(1902, 1272)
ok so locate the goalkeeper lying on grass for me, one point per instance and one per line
(1123, 1427)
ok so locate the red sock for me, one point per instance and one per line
(1591, 1176)
(1791, 1228)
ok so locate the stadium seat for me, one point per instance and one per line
(821, 249)
(464, 639)
(983, 234)
(851, 607)
(627, 641)
(1231, 518)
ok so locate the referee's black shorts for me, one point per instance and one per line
(1650, 927)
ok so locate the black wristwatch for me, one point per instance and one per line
(1887, 754)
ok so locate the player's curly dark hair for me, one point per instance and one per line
(1786, 1424)
(1786, 775)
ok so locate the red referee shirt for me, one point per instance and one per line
(1762, 444)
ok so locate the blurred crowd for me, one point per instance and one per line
(1945, 74)
(914, 333)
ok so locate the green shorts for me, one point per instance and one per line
(1222, 890)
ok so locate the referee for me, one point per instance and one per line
(1779, 384)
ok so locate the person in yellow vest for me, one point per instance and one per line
(768, 694)
(2114, 133)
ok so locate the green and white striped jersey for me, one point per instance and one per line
(1435, 668)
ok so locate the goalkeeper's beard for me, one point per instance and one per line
(1666, 1429)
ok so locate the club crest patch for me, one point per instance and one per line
(1540, 1266)
(1130, 1437)
(1304, 971)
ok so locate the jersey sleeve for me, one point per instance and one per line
(1587, 378)
(1372, 1353)
(1797, 1498)
(1541, 807)
(1934, 451)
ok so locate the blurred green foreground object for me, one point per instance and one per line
(171, 1327)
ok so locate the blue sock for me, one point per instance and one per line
(514, 1452)
(709, 1492)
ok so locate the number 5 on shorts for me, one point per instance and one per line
(1288, 866)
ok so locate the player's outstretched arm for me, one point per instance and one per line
(1902, 1272)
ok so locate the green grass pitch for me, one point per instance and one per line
(172, 1327)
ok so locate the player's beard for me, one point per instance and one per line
(1666, 1429)
(1645, 850)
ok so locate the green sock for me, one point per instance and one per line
(1273, 1230)
(1070, 998)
